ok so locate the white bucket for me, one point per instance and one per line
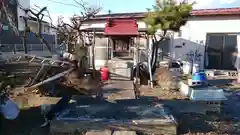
(186, 67)
(195, 68)
(9, 109)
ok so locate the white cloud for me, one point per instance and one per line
(55, 16)
(227, 1)
(203, 4)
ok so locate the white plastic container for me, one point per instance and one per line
(9, 109)
(186, 67)
(195, 68)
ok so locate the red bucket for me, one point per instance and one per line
(104, 73)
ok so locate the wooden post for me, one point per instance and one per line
(93, 53)
(51, 78)
(39, 74)
(149, 62)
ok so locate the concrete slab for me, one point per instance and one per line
(118, 116)
(104, 132)
(124, 133)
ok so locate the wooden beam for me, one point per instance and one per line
(51, 79)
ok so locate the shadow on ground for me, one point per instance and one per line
(28, 123)
(30, 119)
(187, 122)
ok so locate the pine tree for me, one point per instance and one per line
(167, 15)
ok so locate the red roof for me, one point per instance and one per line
(199, 12)
(217, 11)
(118, 27)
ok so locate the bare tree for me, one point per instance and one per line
(39, 15)
(6, 15)
(26, 30)
(10, 19)
(71, 32)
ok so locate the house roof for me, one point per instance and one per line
(216, 11)
(121, 27)
(199, 12)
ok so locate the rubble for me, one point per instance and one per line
(166, 78)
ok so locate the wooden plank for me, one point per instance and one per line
(50, 79)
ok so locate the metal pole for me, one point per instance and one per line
(136, 80)
(149, 63)
(93, 48)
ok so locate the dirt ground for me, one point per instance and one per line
(189, 124)
(225, 123)
(30, 118)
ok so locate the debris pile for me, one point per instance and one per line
(87, 83)
(166, 79)
(38, 72)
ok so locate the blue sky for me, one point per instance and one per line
(67, 8)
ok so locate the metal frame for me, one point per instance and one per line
(43, 62)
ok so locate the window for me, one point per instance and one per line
(220, 51)
(46, 29)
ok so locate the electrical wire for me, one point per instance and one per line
(63, 3)
(71, 5)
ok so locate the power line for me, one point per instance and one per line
(69, 4)
(66, 4)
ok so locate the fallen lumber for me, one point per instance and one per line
(51, 79)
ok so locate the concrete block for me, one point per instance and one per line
(124, 133)
(184, 89)
(104, 132)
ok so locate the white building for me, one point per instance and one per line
(12, 42)
(214, 32)
(32, 21)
